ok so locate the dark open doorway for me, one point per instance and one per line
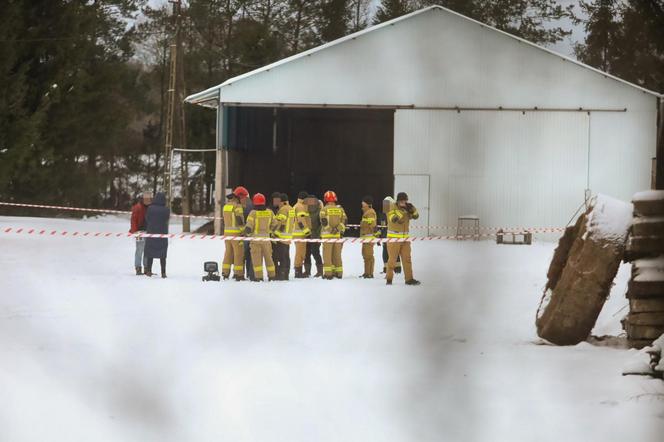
(350, 151)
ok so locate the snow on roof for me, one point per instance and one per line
(210, 96)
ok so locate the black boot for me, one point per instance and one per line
(413, 282)
(307, 270)
(139, 271)
(299, 274)
(319, 271)
(239, 278)
(163, 274)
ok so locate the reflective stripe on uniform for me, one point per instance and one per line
(226, 266)
(393, 234)
(398, 213)
(330, 235)
(231, 231)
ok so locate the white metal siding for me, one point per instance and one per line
(621, 150)
(509, 168)
(418, 189)
(438, 59)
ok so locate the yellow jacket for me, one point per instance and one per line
(398, 220)
(285, 220)
(333, 221)
(261, 223)
(302, 226)
(368, 224)
(233, 215)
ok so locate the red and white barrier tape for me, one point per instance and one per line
(199, 236)
(355, 226)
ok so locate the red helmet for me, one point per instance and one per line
(259, 199)
(241, 192)
(330, 197)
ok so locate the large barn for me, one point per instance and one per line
(465, 118)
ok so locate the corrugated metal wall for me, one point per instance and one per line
(509, 168)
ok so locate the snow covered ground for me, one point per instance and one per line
(89, 351)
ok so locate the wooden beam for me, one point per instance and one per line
(659, 166)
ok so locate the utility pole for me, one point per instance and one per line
(170, 107)
(176, 94)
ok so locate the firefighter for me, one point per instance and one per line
(285, 219)
(388, 202)
(275, 205)
(333, 224)
(313, 248)
(245, 202)
(233, 218)
(260, 224)
(398, 220)
(368, 231)
(301, 230)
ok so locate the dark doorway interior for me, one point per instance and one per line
(349, 151)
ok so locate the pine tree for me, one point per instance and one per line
(603, 34)
(390, 9)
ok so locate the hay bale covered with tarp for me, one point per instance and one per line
(582, 271)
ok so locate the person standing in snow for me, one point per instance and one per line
(398, 223)
(388, 202)
(313, 248)
(157, 222)
(243, 194)
(138, 226)
(368, 232)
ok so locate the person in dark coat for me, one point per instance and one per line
(157, 222)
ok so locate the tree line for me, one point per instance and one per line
(83, 83)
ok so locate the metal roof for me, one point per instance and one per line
(210, 96)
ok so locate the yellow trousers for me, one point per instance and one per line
(368, 256)
(262, 251)
(233, 256)
(332, 264)
(394, 250)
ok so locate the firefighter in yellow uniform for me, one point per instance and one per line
(333, 224)
(285, 220)
(398, 220)
(368, 231)
(301, 230)
(233, 218)
(260, 224)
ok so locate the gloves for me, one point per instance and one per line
(301, 224)
(410, 208)
(238, 220)
(282, 228)
(395, 219)
(323, 222)
(247, 230)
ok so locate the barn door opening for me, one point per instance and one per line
(417, 187)
(288, 150)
